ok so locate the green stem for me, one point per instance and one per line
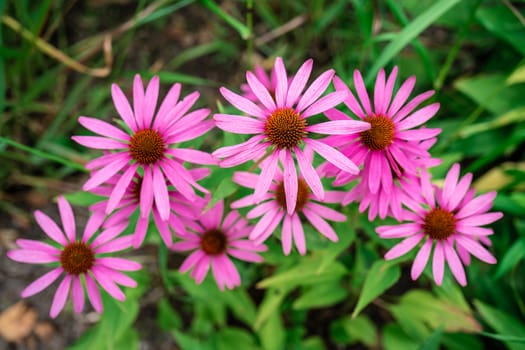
(249, 24)
(42, 154)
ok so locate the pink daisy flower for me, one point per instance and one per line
(281, 124)
(450, 217)
(389, 147)
(273, 211)
(213, 241)
(147, 143)
(388, 201)
(79, 260)
(180, 209)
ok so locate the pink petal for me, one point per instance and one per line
(333, 156)
(290, 181)
(315, 90)
(417, 134)
(474, 206)
(60, 296)
(116, 245)
(481, 219)
(299, 82)
(361, 92)
(99, 142)
(123, 108)
(421, 260)
(320, 224)
(184, 246)
(77, 294)
(419, 117)
(379, 92)
(108, 284)
(309, 174)
(103, 128)
(246, 179)
(389, 89)
(263, 224)
(327, 213)
(119, 264)
(242, 103)
(150, 101)
(41, 283)
(438, 263)
(404, 246)
(476, 249)
(375, 171)
(138, 101)
(298, 234)
(398, 231)
(410, 106)
(282, 82)
(238, 124)
(29, 244)
(454, 263)
(459, 192)
(339, 127)
(201, 269)
(245, 256)
(120, 188)
(260, 91)
(193, 156)
(160, 191)
(329, 101)
(263, 182)
(105, 173)
(229, 151)
(401, 96)
(191, 260)
(93, 294)
(212, 218)
(167, 104)
(109, 233)
(147, 192)
(350, 100)
(67, 217)
(31, 256)
(286, 234)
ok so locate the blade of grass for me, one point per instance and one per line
(409, 33)
(2, 72)
(42, 154)
(398, 13)
(243, 31)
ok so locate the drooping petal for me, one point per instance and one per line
(333, 156)
(93, 294)
(309, 174)
(60, 297)
(103, 174)
(476, 249)
(120, 188)
(454, 263)
(421, 260)
(77, 294)
(298, 234)
(262, 184)
(41, 283)
(438, 263)
(290, 181)
(404, 246)
(286, 234)
(160, 191)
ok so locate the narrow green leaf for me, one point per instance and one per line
(243, 30)
(272, 300)
(512, 257)
(381, 276)
(272, 333)
(503, 23)
(433, 342)
(503, 323)
(409, 33)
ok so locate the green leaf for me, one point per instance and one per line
(272, 333)
(512, 257)
(517, 76)
(503, 323)
(313, 343)
(503, 23)
(167, 317)
(243, 31)
(514, 116)
(305, 273)
(233, 338)
(83, 199)
(361, 330)
(409, 33)
(189, 342)
(270, 304)
(394, 338)
(319, 295)
(432, 342)
(381, 276)
(173, 77)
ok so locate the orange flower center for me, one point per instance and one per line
(285, 128)
(77, 258)
(147, 146)
(213, 242)
(439, 224)
(381, 133)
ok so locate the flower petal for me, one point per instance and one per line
(103, 128)
(421, 260)
(333, 156)
(404, 246)
(60, 297)
(438, 263)
(41, 283)
(242, 103)
(299, 82)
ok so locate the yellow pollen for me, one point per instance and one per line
(213, 242)
(285, 128)
(381, 133)
(439, 224)
(303, 194)
(147, 146)
(77, 258)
